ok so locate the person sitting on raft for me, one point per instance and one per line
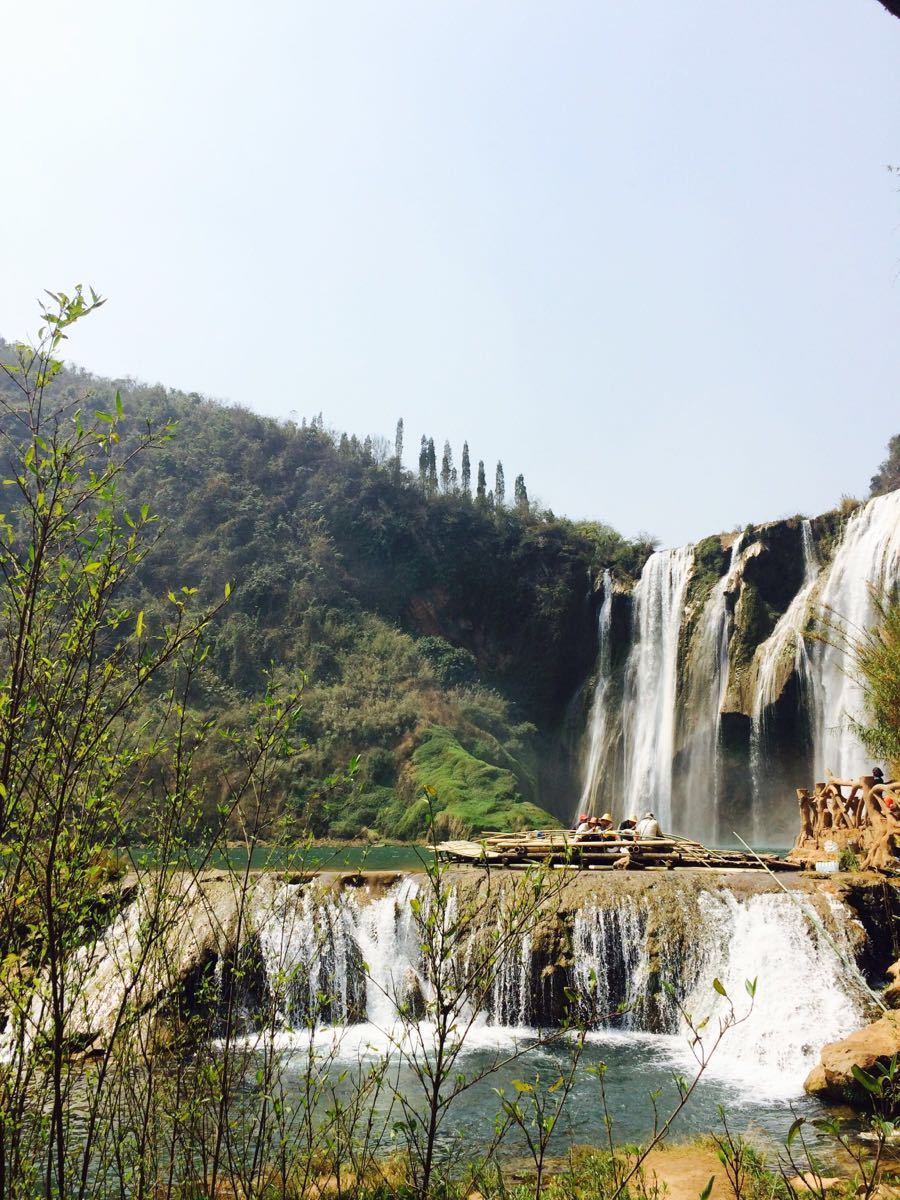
(628, 826)
(648, 826)
(598, 827)
(582, 825)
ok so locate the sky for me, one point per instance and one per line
(646, 254)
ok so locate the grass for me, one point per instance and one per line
(472, 794)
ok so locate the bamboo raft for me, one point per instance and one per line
(601, 852)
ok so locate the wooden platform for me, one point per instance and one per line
(559, 848)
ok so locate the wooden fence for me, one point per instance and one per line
(861, 815)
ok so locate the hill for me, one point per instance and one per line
(440, 636)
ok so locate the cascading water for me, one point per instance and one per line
(511, 992)
(640, 958)
(775, 939)
(311, 957)
(604, 725)
(784, 651)
(868, 558)
(648, 714)
(644, 966)
(655, 735)
(708, 683)
(611, 966)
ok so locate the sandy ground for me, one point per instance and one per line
(686, 1170)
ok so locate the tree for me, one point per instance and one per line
(466, 471)
(481, 490)
(875, 660)
(398, 445)
(446, 468)
(499, 486)
(521, 494)
(423, 464)
(72, 748)
(887, 477)
(431, 482)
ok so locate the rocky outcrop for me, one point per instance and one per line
(891, 994)
(832, 1079)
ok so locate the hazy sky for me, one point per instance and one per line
(648, 254)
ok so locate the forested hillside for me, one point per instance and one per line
(441, 634)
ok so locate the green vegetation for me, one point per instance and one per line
(875, 655)
(710, 563)
(397, 601)
(471, 793)
(887, 477)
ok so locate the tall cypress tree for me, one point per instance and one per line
(499, 486)
(521, 494)
(481, 488)
(423, 464)
(466, 471)
(446, 468)
(398, 446)
(431, 482)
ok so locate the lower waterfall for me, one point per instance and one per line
(639, 959)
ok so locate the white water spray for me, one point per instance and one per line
(604, 725)
(867, 560)
(706, 696)
(648, 716)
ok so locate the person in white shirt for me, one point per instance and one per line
(648, 826)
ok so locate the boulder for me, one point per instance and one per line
(809, 1181)
(832, 1078)
(891, 994)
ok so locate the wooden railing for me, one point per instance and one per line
(862, 815)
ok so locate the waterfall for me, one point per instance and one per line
(648, 964)
(648, 716)
(642, 956)
(784, 651)
(637, 953)
(806, 993)
(611, 962)
(708, 683)
(311, 958)
(510, 1003)
(604, 725)
(868, 557)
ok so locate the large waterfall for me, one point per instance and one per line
(868, 558)
(728, 701)
(603, 728)
(648, 717)
(707, 682)
(784, 651)
(641, 959)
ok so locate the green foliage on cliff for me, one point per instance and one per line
(887, 477)
(875, 654)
